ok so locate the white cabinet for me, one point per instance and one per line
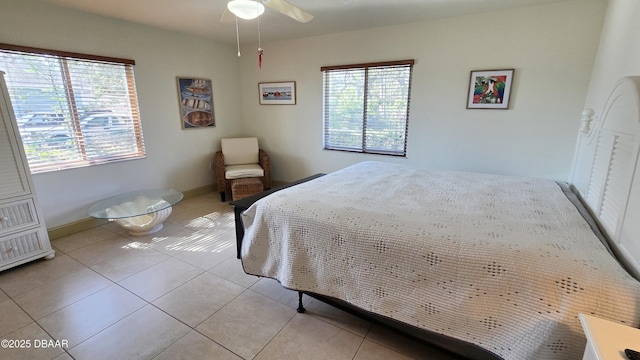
(607, 340)
(23, 235)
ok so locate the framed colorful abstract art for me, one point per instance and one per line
(490, 89)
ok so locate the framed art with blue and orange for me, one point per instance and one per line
(490, 89)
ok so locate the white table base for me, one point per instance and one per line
(145, 224)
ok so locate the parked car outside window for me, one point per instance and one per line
(40, 119)
(38, 81)
(97, 129)
(102, 124)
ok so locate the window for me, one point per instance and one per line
(72, 109)
(366, 107)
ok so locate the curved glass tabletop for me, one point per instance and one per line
(134, 203)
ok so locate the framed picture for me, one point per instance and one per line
(277, 93)
(490, 89)
(196, 102)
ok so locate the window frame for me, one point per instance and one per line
(365, 66)
(83, 157)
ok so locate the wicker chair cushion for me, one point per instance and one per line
(240, 151)
(243, 171)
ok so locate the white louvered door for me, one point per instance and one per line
(23, 235)
(13, 180)
(609, 183)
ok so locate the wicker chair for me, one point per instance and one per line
(241, 158)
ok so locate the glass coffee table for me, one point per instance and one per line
(140, 212)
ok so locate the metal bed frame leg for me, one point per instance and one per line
(300, 308)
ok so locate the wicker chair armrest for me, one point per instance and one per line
(265, 164)
(219, 170)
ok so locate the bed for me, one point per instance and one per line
(486, 266)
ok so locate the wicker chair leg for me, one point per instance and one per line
(222, 196)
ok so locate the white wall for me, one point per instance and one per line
(618, 56)
(619, 52)
(176, 158)
(551, 47)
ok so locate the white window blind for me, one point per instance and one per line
(366, 107)
(72, 109)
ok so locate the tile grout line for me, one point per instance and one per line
(194, 328)
(190, 328)
(144, 300)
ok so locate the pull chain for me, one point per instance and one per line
(237, 37)
(259, 41)
(260, 51)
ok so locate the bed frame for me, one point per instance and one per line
(605, 170)
(604, 176)
(243, 204)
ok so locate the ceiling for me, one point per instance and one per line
(201, 17)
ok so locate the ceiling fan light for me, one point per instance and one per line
(245, 9)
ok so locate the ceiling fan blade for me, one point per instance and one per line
(227, 16)
(291, 11)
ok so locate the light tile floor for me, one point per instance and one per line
(176, 294)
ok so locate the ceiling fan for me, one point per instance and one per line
(251, 9)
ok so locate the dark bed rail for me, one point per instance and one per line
(243, 204)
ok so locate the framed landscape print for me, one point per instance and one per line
(277, 93)
(196, 103)
(490, 89)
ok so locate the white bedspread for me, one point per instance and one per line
(506, 263)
